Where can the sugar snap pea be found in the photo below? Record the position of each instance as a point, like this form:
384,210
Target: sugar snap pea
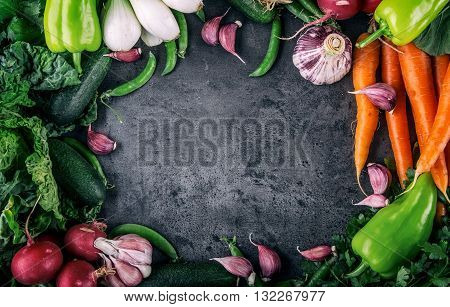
272,50
132,85
156,239
88,155
183,40
171,57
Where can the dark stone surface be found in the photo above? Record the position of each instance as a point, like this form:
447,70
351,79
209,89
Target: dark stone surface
300,203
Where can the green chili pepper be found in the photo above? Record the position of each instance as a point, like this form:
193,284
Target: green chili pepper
171,57
299,11
72,25
272,51
183,39
156,239
88,155
403,21
136,83
321,273
395,234
201,15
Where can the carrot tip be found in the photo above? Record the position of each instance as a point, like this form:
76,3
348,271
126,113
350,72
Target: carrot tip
359,184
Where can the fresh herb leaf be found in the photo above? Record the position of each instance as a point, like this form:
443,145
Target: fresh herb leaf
435,40
434,251
38,65
403,276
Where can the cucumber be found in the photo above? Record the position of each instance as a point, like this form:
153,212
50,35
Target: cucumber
67,105
202,274
75,175
254,10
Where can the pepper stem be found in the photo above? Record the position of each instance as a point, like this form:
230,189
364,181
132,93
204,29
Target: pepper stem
359,270
383,30
77,62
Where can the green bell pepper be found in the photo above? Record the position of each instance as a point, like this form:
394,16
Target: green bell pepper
403,21
395,234
72,25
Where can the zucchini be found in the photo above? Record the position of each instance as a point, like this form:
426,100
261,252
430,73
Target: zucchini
254,10
202,274
67,105
75,175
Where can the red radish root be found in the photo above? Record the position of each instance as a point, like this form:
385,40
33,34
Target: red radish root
79,240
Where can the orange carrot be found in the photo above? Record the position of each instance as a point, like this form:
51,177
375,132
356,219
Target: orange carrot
397,120
440,65
365,64
418,77
440,132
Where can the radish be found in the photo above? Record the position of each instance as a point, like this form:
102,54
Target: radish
80,273
50,237
336,9
37,262
79,240
369,6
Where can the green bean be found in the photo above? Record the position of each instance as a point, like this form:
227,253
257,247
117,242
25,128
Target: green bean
132,85
171,57
88,155
299,11
272,50
156,239
201,15
183,39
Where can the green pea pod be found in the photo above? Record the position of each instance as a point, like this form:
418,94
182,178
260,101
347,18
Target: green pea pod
395,234
299,11
183,40
156,239
272,51
136,83
171,57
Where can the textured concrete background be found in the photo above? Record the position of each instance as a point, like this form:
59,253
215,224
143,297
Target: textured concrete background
298,204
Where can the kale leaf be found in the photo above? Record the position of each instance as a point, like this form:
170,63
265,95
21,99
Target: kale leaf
435,40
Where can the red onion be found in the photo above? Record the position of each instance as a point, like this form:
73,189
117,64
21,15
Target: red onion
369,6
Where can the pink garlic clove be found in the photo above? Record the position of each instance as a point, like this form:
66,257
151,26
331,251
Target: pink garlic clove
128,274
99,143
227,37
210,30
374,201
238,266
269,261
382,95
380,177
318,253
129,56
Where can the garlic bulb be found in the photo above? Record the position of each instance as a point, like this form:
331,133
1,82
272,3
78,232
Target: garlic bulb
149,39
323,55
121,28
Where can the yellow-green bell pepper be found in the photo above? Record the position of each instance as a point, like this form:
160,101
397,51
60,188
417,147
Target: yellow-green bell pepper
72,25
403,20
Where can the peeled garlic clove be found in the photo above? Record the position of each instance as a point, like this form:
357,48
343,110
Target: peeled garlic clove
238,266
99,143
210,30
318,253
227,37
323,55
269,261
382,95
380,177
374,201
